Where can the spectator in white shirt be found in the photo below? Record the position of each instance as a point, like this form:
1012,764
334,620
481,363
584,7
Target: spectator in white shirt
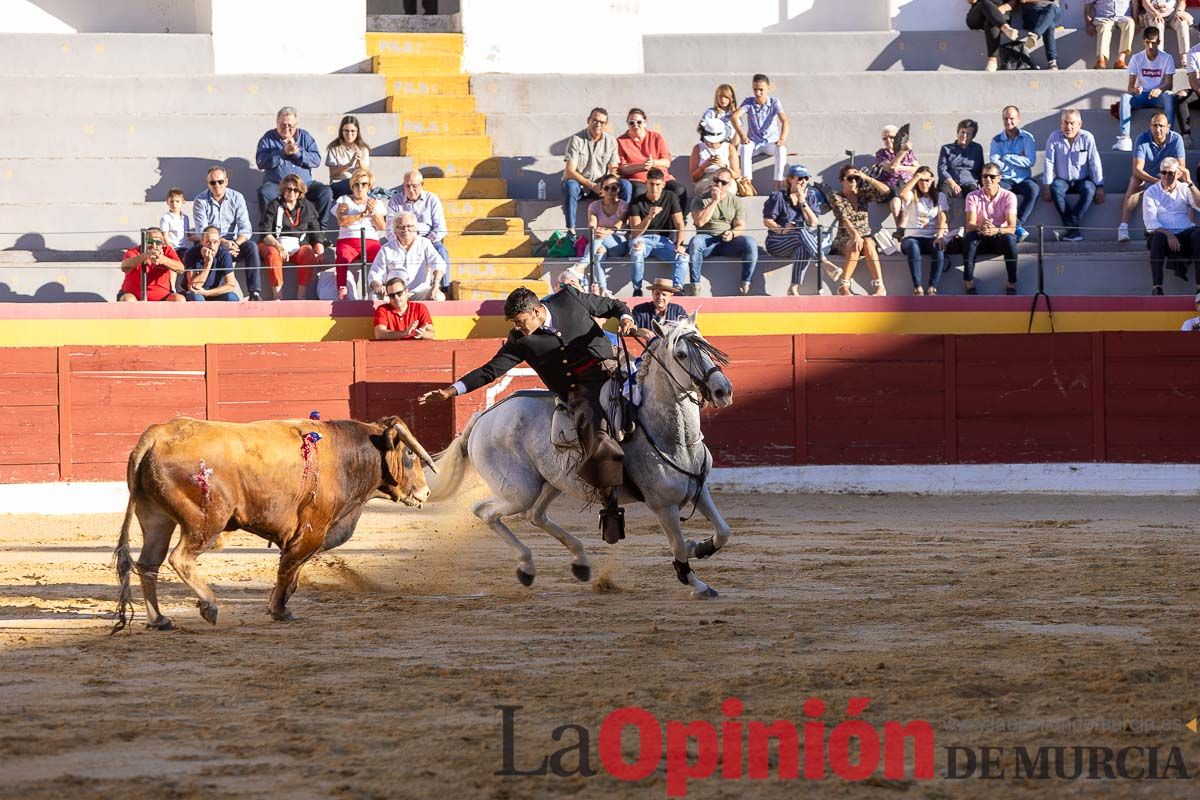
1167,213
1193,324
410,258
431,218
176,225
1151,75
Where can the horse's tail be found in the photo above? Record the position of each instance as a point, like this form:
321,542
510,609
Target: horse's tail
453,466
122,555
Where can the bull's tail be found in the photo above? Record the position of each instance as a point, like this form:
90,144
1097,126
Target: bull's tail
453,466
122,555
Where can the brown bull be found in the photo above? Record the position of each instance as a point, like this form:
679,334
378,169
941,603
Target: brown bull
300,484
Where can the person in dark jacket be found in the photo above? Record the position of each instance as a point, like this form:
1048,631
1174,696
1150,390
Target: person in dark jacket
561,341
959,165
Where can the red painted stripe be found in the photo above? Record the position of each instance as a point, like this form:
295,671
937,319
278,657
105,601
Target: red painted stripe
495,308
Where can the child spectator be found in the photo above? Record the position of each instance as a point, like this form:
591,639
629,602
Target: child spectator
765,130
176,225
724,104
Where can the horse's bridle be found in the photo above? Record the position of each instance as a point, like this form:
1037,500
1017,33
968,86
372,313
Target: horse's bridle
700,384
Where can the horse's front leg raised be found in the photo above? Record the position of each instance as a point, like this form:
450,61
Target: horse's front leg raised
669,519
712,544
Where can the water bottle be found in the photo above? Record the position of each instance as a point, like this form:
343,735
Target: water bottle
541,189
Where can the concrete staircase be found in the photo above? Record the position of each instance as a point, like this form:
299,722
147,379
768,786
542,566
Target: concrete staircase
443,133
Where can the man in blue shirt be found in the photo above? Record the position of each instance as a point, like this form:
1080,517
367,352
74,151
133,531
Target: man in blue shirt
1014,151
659,308
225,209
1073,166
291,150
1149,151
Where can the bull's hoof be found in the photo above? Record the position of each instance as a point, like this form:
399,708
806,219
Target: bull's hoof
283,616
582,572
161,624
709,593
524,578
208,611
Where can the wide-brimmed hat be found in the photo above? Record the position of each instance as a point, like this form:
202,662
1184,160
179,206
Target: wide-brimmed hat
713,131
664,285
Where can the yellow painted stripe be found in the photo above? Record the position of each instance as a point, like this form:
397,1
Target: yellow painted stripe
198,331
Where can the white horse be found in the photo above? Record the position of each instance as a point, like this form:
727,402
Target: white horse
510,446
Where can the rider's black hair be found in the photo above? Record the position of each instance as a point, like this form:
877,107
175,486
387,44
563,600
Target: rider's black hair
520,301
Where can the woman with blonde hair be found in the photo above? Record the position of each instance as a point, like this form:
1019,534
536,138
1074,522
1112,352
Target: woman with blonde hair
724,104
292,235
359,216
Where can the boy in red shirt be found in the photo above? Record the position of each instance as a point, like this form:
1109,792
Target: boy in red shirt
401,318
161,264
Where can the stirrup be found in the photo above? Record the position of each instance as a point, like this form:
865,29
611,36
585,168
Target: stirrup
612,524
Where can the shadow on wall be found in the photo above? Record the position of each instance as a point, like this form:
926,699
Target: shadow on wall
122,16
35,244
189,173
53,292
835,15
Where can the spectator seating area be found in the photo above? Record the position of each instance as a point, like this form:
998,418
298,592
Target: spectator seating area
85,169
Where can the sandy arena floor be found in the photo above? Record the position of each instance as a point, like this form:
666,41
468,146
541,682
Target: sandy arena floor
974,613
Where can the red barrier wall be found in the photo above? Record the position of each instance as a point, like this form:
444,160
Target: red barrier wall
74,413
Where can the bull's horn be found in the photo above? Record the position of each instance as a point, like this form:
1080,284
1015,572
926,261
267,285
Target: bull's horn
410,440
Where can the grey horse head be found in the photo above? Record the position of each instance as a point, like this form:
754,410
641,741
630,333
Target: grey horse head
692,362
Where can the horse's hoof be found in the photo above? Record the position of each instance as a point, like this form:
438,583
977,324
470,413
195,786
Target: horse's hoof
208,611
709,593
161,624
582,572
525,579
284,616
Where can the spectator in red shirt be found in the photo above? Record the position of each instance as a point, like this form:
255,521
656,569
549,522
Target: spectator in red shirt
401,318
640,150
161,264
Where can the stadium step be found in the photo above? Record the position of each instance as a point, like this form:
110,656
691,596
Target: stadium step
429,85
62,55
480,188
409,44
430,104
473,224
434,167
495,268
476,208
427,147
397,66
496,290
414,123
488,245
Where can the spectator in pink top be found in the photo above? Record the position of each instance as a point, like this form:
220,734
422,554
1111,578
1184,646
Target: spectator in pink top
641,149
991,228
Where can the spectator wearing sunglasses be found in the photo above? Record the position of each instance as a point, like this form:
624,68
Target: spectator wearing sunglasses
225,208
408,257
991,228
212,280
159,262
591,155
431,216
1167,208
791,217
608,216
360,219
292,235
288,149
401,317
641,150
720,218
714,152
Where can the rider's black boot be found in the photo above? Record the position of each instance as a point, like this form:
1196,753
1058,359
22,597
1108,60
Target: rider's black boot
612,520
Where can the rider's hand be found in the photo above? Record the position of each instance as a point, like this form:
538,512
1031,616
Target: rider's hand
439,394
626,326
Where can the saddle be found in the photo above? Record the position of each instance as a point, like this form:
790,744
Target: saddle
616,408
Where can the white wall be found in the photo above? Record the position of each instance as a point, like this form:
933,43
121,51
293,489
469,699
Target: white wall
288,36
554,35
100,16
